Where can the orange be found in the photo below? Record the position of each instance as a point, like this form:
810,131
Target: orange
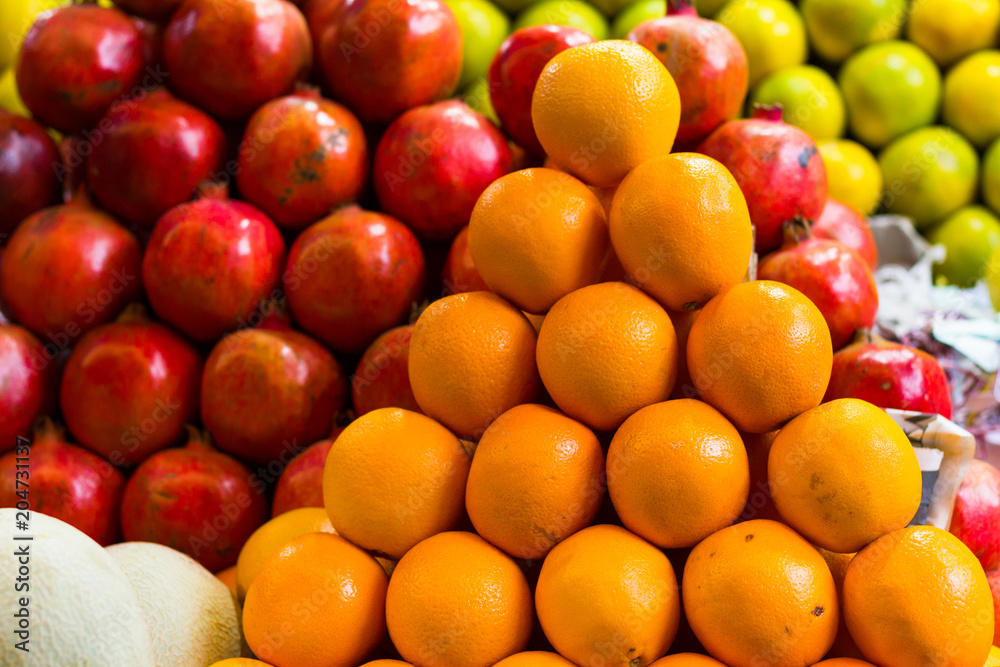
394,478
761,354
535,659
757,593
844,662
240,662
687,660
608,597
228,577
472,358
537,477
538,234
269,538
759,505
918,596
681,228
386,663
605,351
457,601
319,601
683,321
843,645
677,472
602,109
843,474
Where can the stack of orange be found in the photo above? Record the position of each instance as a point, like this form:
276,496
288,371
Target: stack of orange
585,470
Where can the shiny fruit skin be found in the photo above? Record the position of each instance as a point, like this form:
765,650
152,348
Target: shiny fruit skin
301,483
29,379
352,276
977,513
209,264
28,181
128,390
75,62
268,38
840,222
382,379
460,273
414,58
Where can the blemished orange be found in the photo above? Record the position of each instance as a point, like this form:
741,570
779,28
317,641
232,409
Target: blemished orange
605,351
270,537
535,659
843,474
687,660
455,600
472,358
240,662
608,597
681,228
319,601
761,354
537,477
916,593
602,109
757,593
538,234
843,645
228,577
394,478
759,505
677,472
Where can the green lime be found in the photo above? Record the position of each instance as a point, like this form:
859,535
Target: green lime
565,12
991,177
484,27
972,97
992,278
929,174
477,96
771,33
951,29
969,236
838,28
709,8
636,13
809,97
890,89
852,174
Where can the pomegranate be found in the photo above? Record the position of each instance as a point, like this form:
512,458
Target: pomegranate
156,154
833,276
210,263
352,276
976,517
154,10
301,483
382,378
706,61
75,62
432,164
128,389
28,181
777,166
387,56
265,392
322,17
889,375
301,157
460,274
840,222
514,72
152,46
66,482
196,500
29,378
231,57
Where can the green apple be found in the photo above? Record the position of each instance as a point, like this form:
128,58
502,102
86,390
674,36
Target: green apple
484,27
573,13
636,13
809,97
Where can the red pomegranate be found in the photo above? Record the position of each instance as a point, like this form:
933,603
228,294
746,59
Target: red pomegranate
301,483
382,379
833,276
75,62
387,56
157,153
778,168
976,517
840,222
460,274
154,10
210,263
515,70
231,57
66,482
128,389
29,376
432,164
706,61
196,500
28,181
265,392
322,16
301,157
152,50
352,276
889,375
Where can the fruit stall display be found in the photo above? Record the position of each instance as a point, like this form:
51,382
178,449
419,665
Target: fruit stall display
450,333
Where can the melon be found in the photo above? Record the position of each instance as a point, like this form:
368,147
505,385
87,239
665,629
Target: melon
81,608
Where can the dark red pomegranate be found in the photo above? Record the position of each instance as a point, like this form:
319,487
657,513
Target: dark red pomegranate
352,276
196,500
29,376
66,482
210,263
157,153
301,157
976,517
231,57
387,56
266,392
777,167
833,276
28,179
75,62
301,483
321,16
432,164
707,63
515,70
382,379
840,222
152,50
154,10
460,274
889,375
